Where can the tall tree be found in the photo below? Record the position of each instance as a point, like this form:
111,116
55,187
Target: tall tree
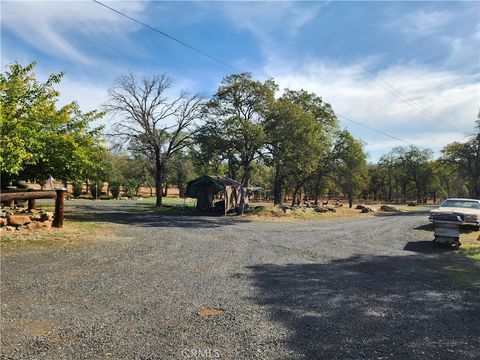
327,121
294,142
466,158
351,166
159,126
38,138
236,112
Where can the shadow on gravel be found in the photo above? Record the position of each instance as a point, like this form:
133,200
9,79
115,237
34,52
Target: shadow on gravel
425,227
125,215
425,247
372,307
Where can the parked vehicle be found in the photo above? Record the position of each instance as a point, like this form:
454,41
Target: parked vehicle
468,210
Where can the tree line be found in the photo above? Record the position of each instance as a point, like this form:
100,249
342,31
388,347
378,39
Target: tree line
289,142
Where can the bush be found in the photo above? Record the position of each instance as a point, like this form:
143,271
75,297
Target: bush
77,188
95,190
105,197
131,188
114,188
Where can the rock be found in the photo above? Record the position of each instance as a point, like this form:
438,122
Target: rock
46,216
332,209
320,209
388,208
18,220
359,207
366,210
412,203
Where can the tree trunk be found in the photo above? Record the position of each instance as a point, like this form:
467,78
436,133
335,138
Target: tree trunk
247,174
350,201
165,191
277,189
316,191
295,193
160,169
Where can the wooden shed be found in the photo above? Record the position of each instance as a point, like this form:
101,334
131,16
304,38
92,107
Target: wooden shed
212,191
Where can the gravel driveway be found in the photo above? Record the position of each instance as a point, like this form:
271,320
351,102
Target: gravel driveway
363,288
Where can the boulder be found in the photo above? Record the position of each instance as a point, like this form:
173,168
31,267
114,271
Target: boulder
412,203
359,207
366,210
18,220
388,208
320,209
331,209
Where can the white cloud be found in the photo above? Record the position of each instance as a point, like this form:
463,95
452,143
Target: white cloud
262,18
355,92
422,23
53,27
464,52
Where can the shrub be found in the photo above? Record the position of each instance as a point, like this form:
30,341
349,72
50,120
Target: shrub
114,188
131,188
77,188
105,197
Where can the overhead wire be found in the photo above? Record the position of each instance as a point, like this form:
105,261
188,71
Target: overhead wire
203,53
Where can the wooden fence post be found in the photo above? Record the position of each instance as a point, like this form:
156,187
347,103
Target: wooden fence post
59,206
31,204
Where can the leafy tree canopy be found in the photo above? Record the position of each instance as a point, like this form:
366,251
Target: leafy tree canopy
38,138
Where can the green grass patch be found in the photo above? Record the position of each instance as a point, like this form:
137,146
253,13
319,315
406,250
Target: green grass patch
466,275
471,251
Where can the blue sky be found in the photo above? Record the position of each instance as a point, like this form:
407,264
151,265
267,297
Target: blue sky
350,53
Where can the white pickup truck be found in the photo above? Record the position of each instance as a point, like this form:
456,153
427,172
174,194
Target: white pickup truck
467,209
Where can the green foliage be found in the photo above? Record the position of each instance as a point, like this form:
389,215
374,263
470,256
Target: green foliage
131,188
105,197
351,165
234,131
77,188
114,188
39,139
465,158
180,170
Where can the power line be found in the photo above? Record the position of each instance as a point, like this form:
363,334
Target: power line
394,91
166,35
373,129
397,93
232,67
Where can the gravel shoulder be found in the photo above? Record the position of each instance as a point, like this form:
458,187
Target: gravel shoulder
176,287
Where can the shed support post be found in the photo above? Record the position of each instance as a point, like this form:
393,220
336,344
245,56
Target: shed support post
59,207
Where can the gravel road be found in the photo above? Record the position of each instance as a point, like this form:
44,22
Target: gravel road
370,288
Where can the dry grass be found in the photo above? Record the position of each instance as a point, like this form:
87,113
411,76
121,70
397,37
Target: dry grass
470,244
208,312
271,213
73,232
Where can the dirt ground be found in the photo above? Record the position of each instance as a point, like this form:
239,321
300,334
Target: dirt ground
136,283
